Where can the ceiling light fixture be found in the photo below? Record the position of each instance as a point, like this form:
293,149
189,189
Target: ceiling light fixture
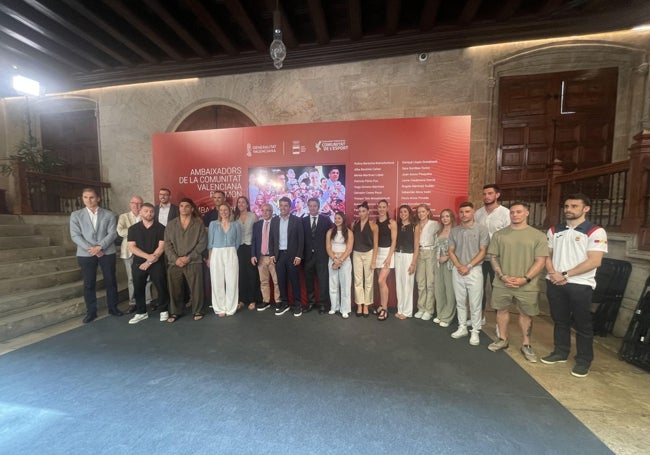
277,49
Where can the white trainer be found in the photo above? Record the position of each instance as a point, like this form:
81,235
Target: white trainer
427,316
138,318
460,333
474,339
419,314
164,315
345,315
331,312
436,321
444,324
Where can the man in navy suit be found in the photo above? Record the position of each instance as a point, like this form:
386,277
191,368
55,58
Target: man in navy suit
94,229
315,227
286,245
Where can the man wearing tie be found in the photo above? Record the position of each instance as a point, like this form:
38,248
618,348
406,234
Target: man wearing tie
286,247
261,257
315,228
94,229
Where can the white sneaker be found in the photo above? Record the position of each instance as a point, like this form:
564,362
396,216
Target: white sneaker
164,315
444,324
426,316
331,312
345,315
436,321
138,318
474,339
460,333
419,314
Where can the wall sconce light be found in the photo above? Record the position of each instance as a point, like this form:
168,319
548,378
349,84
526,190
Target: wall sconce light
277,49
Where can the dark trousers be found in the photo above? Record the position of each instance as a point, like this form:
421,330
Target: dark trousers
488,277
287,274
249,278
316,268
571,304
157,273
179,279
88,267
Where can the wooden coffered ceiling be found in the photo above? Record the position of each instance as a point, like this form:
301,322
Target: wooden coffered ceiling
76,44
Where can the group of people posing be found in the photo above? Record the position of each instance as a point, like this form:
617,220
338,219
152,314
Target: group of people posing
242,261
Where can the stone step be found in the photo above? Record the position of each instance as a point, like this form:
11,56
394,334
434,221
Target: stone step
41,252
44,315
23,300
8,230
29,241
37,267
11,219
14,285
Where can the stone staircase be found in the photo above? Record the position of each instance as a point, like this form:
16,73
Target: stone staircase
40,281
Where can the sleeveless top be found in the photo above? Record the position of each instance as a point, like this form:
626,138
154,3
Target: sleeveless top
428,234
384,233
405,239
338,243
362,238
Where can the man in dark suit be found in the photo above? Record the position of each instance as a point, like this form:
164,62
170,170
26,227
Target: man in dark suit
261,258
94,229
286,246
315,227
165,211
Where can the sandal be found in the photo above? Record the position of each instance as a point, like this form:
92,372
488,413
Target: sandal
240,305
383,315
171,319
365,311
198,317
252,306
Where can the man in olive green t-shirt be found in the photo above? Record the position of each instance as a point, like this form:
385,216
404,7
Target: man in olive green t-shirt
517,254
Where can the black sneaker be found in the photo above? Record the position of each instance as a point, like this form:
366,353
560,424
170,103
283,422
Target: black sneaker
281,309
553,358
263,306
297,311
580,371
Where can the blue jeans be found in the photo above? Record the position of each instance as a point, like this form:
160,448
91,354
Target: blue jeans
88,267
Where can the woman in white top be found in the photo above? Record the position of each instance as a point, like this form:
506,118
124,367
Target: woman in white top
338,242
424,273
249,280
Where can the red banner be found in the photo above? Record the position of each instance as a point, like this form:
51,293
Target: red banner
405,161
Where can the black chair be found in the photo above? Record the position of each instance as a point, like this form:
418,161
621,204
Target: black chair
611,281
635,348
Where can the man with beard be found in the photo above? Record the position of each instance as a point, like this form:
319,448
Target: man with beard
147,244
165,211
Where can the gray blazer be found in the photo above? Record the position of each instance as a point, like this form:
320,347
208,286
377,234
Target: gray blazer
85,236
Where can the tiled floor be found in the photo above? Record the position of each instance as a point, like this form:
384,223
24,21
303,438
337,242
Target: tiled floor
613,401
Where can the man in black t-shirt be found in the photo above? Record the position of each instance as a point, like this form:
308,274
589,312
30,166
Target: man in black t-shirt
147,244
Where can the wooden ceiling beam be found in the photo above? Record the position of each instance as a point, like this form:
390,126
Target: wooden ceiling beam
143,28
319,22
163,13
35,27
73,29
429,14
354,15
507,10
469,12
111,31
204,16
241,17
393,8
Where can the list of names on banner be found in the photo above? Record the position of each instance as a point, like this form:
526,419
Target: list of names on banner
417,182
371,181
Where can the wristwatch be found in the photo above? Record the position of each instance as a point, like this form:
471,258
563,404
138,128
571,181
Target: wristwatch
565,275
528,280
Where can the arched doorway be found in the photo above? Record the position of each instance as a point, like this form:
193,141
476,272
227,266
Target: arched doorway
214,117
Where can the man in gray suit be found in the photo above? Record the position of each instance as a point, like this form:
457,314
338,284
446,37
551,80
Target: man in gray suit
93,229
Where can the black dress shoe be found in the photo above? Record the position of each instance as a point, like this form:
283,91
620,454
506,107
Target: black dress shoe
322,309
308,308
115,312
89,318
131,309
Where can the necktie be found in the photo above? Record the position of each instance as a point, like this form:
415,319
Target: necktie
313,225
265,239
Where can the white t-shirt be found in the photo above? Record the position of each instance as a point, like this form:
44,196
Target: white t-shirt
498,219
